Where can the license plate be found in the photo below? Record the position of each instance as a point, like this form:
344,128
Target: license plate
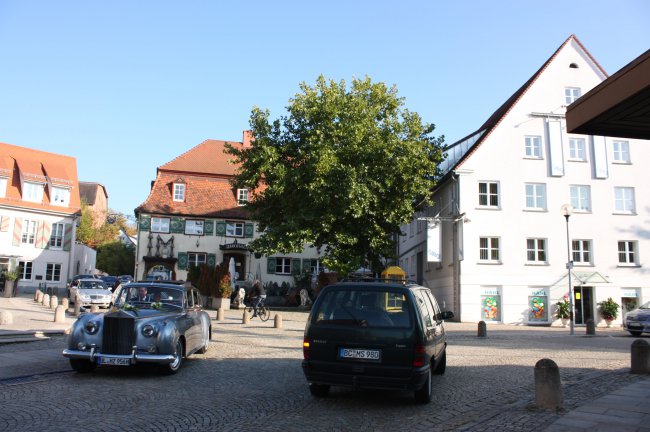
115,361
360,354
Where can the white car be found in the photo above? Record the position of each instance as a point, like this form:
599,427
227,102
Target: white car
88,292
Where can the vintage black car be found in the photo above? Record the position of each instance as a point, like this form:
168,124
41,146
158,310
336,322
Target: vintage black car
150,322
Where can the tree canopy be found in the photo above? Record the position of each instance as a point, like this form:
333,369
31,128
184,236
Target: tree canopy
341,171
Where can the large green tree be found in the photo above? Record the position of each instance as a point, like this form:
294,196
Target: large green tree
341,171
115,258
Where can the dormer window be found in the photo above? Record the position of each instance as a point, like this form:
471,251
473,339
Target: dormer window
242,197
60,196
32,192
179,192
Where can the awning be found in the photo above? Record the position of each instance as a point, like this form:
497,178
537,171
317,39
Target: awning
589,278
234,246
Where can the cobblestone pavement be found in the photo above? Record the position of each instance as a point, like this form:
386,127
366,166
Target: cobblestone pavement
251,379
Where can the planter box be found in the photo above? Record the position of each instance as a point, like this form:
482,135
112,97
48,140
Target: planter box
218,303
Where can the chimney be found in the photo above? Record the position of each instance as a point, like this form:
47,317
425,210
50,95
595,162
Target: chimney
248,138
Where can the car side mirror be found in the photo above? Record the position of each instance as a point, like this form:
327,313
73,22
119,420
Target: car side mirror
447,315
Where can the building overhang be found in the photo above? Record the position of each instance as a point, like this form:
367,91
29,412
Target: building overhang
617,107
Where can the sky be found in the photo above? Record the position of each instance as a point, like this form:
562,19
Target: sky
126,86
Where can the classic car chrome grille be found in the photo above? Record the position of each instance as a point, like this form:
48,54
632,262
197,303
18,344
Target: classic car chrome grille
119,335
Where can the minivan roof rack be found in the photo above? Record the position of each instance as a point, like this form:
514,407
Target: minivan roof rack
374,279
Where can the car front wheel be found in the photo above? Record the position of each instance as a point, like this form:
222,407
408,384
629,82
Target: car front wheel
82,366
175,365
319,390
442,364
635,333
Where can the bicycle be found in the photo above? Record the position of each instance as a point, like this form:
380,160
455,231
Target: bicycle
263,311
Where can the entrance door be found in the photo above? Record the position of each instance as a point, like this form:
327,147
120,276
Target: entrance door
240,264
582,301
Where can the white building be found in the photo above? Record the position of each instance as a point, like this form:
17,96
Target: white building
39,206
497,246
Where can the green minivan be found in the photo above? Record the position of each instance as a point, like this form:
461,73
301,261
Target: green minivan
377,334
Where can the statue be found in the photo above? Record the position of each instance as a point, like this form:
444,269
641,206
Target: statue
304,297
239,298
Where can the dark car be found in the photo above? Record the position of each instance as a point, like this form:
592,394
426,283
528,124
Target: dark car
124,279
637,321
154,323
111,281
375,335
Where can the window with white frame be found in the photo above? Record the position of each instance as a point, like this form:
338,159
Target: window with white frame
29,231
195,259
315,264
488,194
242,197
179,192
627,252
489,249
159,225
25,270
580,198
624,200
577,149
621,151
283,265
53,272
32,192
536,250
194,227
581,251
234,229
56,237
535,196
533,147
571,94
3,187
60,196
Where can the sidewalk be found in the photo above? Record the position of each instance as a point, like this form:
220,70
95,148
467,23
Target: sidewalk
31,318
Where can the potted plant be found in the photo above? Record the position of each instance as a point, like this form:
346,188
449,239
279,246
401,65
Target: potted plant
10,279
563,311
222,293
609,310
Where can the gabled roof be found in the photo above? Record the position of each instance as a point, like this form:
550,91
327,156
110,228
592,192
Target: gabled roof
88,191
471,142
206,158
42,167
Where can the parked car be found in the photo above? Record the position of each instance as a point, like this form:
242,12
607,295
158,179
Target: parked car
161,327
75,279
124,279
637,321
88,292
111,281
375,335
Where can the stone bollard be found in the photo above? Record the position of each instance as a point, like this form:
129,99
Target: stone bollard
548,389
220,314
46,300
245,318
77,309
36,295
640,357
59,314
94,309
54,302
591,327
39,296
277,321
6,318
482,329
65,303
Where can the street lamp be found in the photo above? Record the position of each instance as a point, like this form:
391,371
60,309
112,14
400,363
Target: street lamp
567,211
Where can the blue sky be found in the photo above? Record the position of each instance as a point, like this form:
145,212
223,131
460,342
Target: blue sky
126,86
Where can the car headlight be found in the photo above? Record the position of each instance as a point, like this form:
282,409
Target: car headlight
91,327
148,330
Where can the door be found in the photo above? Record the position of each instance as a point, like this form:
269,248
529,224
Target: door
240,264
583,303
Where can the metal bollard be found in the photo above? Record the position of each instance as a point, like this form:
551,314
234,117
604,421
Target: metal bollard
591,327
548,389
54,302
482,329
277,321
220,314
245,318
59,314
640,361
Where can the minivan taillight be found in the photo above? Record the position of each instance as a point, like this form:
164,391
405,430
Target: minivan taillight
305,349
419,356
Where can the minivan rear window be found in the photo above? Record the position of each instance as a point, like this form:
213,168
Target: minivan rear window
363,308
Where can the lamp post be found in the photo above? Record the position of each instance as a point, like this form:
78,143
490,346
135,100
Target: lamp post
567,211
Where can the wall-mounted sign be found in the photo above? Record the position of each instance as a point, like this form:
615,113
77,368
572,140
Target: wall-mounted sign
434,254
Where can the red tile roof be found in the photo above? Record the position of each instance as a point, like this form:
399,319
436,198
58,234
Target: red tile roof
40,166
206,171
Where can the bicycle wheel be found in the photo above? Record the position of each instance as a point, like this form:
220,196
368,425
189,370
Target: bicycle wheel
249,312
264,312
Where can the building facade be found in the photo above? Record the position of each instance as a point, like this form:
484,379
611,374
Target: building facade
96,197
39,207
496,244
194,216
